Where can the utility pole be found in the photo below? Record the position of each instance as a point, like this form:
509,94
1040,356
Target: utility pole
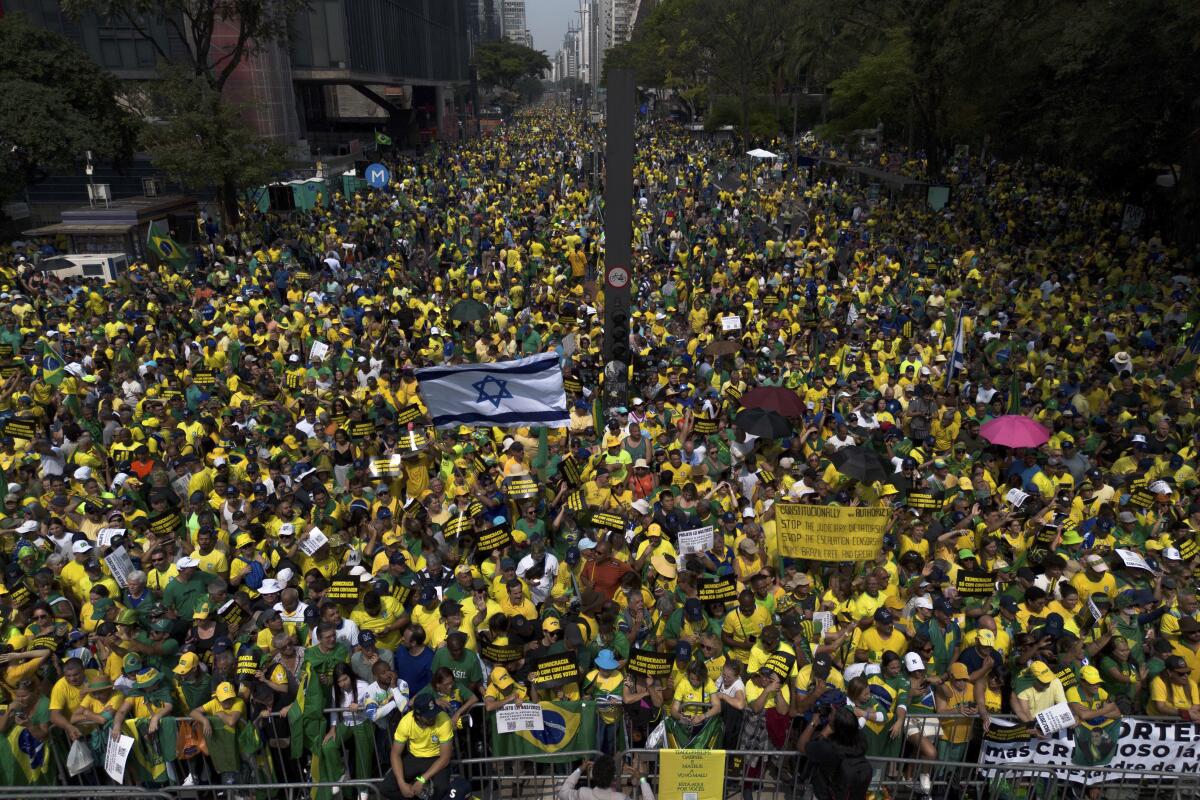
618,236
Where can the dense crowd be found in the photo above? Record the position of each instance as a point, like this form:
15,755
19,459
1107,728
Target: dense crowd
253,557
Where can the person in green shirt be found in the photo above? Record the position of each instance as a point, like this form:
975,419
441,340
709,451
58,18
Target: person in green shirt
328,653
468,673
188,591
192,684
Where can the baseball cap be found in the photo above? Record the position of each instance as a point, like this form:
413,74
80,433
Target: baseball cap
424,706
187,662
958,671
693,610
225,691
683,651
925,601
1097,563
985,637
1041,672
81,547
1091,675
913,662
366,639
551,624
821,665
186,562
884,616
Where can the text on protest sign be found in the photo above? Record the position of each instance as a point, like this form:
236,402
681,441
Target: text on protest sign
830,533
696,540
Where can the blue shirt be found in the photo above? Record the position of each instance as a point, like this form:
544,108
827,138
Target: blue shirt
416,671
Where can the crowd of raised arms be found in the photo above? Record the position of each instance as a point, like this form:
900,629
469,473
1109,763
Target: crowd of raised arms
261,563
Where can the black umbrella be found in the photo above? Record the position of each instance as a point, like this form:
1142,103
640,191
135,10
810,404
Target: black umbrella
762,423
862,464
468,311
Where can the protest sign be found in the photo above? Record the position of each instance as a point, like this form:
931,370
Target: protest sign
1165,748
830,533
104,536
696,540
975,583
921,500
704,426
120,565
116,755
717,589
555,669
649,663
494,539
167,522
502,653
519,717
313,542
343,588
318,351
692,774
1133,560
731,323
1054,719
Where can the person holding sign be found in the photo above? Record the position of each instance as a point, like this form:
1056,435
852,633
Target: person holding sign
693,710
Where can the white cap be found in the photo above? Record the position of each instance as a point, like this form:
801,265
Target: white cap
925,601
14,488
366,577
284,575
747,512
270,586
1137,437
1170,554
586,544
508,442
637,401
83,473
187,561
1160,487
786,462
1097,563
433,330
293,358
119,479
28,526
287,529
81,547
641,506
358,570
913,662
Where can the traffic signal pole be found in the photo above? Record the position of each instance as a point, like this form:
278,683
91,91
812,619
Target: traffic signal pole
618,237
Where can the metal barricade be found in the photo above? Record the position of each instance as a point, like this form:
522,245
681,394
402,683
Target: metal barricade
517,777
80,793
347,790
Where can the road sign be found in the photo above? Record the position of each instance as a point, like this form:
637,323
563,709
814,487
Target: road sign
618,277
378,176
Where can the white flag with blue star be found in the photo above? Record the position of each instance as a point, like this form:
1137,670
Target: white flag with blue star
506,394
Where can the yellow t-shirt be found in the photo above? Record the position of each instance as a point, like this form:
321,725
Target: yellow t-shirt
753,692
66,698
1173,695
745,626
424,742
694,700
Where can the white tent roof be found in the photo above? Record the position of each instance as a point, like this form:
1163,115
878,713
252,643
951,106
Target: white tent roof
758,152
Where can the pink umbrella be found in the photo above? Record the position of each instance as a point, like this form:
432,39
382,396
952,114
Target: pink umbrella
1014,430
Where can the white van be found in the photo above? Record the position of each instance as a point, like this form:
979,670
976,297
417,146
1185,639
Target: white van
106,266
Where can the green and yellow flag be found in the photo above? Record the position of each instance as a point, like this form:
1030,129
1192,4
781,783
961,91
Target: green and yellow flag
165,249
567,726
24,759
382,139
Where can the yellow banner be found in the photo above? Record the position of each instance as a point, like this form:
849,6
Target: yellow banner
830,533
694,774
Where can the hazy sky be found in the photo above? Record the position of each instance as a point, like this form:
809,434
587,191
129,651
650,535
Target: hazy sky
547,21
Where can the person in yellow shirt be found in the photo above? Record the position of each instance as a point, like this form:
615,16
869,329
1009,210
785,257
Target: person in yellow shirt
67,695
421,751
879,636
1173,693
98,705
695,702
743,625
212,560
1094,578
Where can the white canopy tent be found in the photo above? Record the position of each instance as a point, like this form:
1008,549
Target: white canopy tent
758,152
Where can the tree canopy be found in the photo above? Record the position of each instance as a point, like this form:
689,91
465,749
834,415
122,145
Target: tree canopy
502,64
55,105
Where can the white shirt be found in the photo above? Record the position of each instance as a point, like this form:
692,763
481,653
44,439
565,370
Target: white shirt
292,616
540,590
569,792
386,700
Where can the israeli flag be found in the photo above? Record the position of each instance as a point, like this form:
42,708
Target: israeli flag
507,394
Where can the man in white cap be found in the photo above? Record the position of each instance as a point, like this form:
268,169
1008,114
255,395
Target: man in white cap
1095,577
188,591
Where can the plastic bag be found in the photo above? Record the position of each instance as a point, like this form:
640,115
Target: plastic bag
79,759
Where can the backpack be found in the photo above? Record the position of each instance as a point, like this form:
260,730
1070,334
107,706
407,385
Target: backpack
254,579
855,778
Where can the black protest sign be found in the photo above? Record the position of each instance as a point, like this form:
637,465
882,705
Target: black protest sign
607,521
975,583
361,430
20,427
555,669
781,664
343,588
247,661
649,663
204,377
502,653
456,526
232,615
166,523
704,426
410,413
569,467
921,500
494,539
717,589
1142,498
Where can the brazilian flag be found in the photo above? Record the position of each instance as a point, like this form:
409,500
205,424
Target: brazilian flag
166,250
24,759
52,362
567,726
382,139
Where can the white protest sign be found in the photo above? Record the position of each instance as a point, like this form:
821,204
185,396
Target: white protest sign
318,351
1016,497
120,565
1134,560
1055,718
104,536
1094,609
731,323
696,540
116,756
312,543
826,620
519,717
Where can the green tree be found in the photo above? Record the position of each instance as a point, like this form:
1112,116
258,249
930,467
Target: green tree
502,64
212,151
55,104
